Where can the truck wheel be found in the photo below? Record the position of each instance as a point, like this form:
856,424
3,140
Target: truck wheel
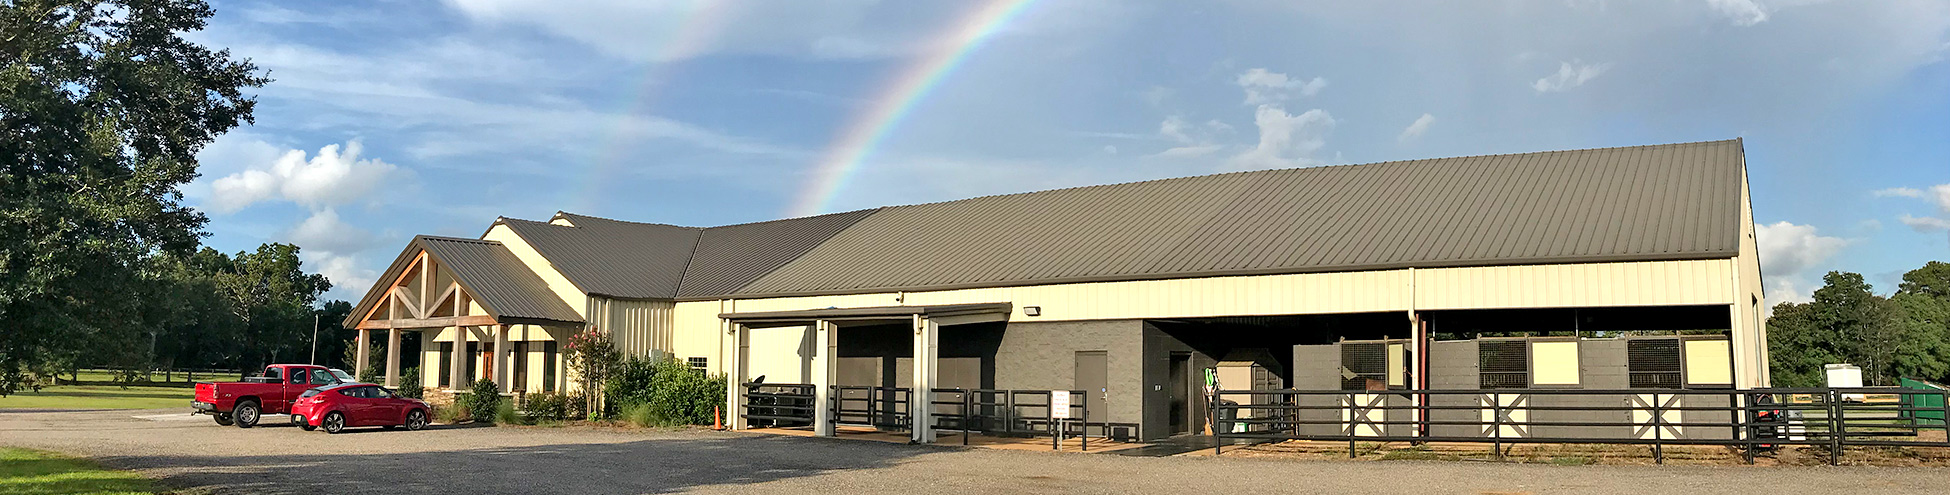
334,422
222,419
416,420
246,414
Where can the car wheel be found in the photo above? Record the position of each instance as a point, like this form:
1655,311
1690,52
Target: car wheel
246,414
334,422
222,419
416,420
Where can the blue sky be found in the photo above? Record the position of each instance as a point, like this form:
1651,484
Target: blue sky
390,118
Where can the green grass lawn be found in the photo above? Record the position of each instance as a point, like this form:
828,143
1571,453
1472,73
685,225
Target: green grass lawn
29,472
101,397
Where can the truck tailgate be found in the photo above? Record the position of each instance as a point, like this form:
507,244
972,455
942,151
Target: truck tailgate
206,392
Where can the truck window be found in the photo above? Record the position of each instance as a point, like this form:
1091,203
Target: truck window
275,374
322,377
297,377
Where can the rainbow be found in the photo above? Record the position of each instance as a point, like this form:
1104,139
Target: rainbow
857,140
694,23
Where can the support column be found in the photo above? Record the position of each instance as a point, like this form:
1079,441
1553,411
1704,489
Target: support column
459,362
824,368
392,357
364,354
500,360
927,347
735,347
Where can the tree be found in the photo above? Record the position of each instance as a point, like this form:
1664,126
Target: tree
103,107
591,357
1932,280
272,298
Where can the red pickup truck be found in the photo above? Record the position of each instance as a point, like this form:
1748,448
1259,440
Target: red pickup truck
271,392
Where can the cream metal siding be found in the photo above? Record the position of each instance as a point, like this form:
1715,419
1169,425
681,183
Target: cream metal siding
697,332
536,263
779,353
1649,283
639,328
1750,330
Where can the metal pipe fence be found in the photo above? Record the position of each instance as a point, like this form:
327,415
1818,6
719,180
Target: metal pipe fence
964,411
1835,418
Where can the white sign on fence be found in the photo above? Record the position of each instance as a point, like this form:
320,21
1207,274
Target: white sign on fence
1059,404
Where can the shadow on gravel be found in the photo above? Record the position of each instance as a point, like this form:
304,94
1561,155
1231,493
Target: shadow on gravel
645,466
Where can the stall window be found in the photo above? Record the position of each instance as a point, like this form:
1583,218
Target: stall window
1503,363
548,366
1364,366
1653,363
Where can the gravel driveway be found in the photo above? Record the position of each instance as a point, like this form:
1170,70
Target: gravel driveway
194,452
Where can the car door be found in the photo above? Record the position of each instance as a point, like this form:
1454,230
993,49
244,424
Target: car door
386,407
357,406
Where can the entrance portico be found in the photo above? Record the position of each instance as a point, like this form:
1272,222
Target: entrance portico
808,340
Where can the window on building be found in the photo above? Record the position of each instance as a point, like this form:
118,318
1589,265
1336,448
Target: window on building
1364,366
548,366
700,363
1653,363
446,371
1503,363
520,363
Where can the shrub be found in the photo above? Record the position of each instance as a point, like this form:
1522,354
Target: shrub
370,375
450,414
409,384
677,395
629,382
639,414
504,413
546,406
485,399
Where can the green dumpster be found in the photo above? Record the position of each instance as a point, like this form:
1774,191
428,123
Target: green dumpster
1931,404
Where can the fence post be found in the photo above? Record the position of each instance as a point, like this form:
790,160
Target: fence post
1496,424
1747,426
1055,434
1943,397
966,399
1352,425
1084,434
1658,429
1218,423
1837,428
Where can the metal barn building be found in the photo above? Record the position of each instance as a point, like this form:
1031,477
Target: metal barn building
1604,268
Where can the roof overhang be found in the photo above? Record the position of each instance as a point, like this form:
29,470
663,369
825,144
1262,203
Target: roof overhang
960,313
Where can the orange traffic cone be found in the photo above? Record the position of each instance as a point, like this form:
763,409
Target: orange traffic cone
717,419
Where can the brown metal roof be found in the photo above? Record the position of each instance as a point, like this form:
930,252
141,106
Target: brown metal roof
732,256
1663,202
655,261
613,257
496,279
942,310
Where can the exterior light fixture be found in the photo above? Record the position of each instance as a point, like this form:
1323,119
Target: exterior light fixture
1032,310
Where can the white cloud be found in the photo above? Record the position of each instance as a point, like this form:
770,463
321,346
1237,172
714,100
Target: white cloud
1787,252
1741,12
1286,140
1942,196
1193,151
1415,129
1898,192
329,178
323,231
1925,224
350,277
1570,75
1263,86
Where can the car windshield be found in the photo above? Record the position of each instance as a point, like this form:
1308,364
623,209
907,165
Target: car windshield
343,376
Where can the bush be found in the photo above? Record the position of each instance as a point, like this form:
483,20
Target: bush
409,384
450,414
675,395
505,414
370,375
485,399
629,382
639,414
546,406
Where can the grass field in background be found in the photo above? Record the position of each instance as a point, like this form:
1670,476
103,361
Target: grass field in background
101,397
30,472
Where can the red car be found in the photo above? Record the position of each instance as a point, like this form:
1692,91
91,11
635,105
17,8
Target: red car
337,407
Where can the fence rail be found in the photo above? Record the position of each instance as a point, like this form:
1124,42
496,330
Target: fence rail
1757,419
965,411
